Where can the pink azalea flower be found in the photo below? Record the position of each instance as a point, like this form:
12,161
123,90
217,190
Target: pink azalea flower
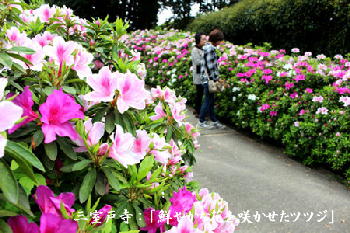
61,51
45,12
132,92
104,85
268,71
56,112
288,85
153,223
50,223
267,78
94,133
181,202
264,107
44,39
185,226
302,112
159,112
273,113
141,143
177,111
122,148
309,90
103,212
50,204
15,36
323,111
299,77
9,114
294,95
20,224
81,61
317,99
25,101
158,151
37,58
167,94
345,100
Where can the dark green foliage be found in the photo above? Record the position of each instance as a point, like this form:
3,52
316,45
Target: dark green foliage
142,14
319,26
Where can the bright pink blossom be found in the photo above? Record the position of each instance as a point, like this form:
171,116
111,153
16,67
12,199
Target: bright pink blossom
50,204
153,223
181,202
25,101
264,107
20,224
56,112
50,223
102,215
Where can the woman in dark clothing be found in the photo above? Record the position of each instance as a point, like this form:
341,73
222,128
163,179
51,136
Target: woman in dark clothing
197,54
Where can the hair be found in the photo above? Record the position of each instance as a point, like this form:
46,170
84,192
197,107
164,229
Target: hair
197,37
216,35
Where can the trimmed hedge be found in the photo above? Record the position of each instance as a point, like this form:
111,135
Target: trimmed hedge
319,26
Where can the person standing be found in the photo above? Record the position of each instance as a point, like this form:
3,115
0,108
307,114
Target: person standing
197,55
210,70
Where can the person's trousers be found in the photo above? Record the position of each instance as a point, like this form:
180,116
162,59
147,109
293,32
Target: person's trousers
198,98
208,105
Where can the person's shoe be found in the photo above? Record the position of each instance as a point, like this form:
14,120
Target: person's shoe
205,125
218,125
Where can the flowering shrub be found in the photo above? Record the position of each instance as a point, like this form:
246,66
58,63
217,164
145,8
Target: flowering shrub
299,100
80,131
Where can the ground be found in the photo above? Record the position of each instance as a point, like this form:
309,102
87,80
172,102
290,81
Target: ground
253,176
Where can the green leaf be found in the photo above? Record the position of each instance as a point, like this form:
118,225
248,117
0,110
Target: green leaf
70,90
14,165
51,150
67,148
139,215
63,210
145,166
81,165
87,185
4,227
112,179
100,185
23,202
6,60
169,133
22,49
38,137
7,213
27,184
20,151
8,184
19,57
110,122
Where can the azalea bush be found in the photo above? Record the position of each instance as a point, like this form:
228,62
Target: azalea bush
300,100
85,146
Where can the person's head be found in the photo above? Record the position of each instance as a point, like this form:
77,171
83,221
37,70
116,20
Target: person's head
201,39
216,36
